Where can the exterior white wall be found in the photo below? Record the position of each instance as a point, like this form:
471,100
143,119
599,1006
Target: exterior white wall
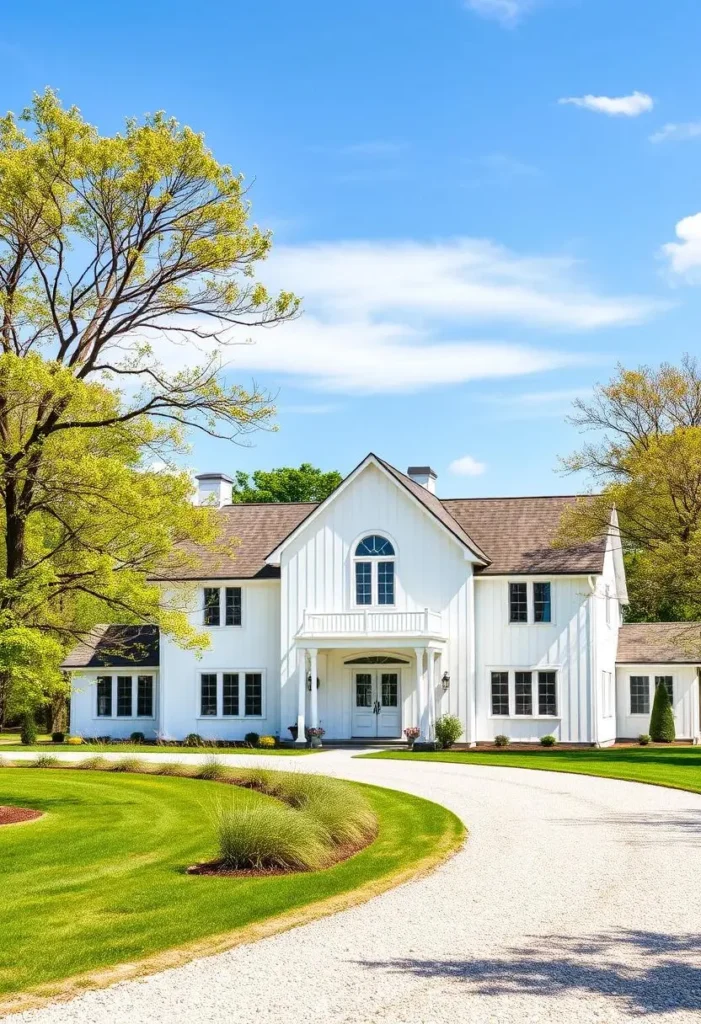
431,572
564,645
685,705
606,624
254,646
84,720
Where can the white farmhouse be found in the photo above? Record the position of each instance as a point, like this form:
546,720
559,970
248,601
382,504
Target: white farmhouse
382,608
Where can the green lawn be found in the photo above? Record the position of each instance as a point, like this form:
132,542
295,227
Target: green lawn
100,880
677,767
48,747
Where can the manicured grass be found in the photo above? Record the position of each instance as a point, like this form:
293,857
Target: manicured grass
100,880
677,767
153,748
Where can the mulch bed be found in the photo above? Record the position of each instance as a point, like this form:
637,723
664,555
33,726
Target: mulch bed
336,855
13,815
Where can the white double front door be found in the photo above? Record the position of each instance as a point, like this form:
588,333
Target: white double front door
376,697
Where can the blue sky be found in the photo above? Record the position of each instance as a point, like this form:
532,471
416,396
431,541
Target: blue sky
472,252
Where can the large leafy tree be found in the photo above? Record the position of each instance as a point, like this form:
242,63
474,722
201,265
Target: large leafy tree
645,455
307,483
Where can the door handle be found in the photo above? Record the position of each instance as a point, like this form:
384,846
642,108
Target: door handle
376,708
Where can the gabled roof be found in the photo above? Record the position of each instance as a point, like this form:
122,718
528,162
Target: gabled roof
116,647
659,643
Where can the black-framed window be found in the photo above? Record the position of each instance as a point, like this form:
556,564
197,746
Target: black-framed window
547,693
144,696
667,681
640,695
104,696
542,607
208,693
518,602
500,693
385,582
230,693
124,706
363,582
232,613
211,606
523,693
254,694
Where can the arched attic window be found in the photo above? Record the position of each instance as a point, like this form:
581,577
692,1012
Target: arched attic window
374,571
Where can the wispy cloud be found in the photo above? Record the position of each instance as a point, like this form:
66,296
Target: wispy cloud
532,405
506,12
684,256
467,465
614,106
498,169
682,132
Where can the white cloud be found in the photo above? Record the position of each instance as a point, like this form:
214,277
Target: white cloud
467,466
507,12
615,106
677,132
685,255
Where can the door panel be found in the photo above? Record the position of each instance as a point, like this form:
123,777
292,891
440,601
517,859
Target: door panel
389,717
376,704
364,717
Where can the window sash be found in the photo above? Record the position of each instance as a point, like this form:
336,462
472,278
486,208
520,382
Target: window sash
208,694
144,697
104,696
518,602
523,693
385,583
232,614
500,693
542,606
212,614
230,694
547,693
640,695
124,697
363,583
254,694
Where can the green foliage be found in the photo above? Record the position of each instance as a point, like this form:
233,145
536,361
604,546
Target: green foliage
44,761
213,770
129,764
501,741
448,730
267,742
643,739
171,768
286,484
137,737
268,836
95,764
252,738
662,717
193,739
548,741
57,737
28,733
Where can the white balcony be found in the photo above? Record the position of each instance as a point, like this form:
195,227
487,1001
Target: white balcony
366,622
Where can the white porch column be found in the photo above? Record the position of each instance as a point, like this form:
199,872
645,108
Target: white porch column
422,703
301,695
431,682
314,702
419,652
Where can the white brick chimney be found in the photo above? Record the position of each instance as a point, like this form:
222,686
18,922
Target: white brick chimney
214,489
423,475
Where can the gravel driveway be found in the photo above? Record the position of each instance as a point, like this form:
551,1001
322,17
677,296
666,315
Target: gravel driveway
575,899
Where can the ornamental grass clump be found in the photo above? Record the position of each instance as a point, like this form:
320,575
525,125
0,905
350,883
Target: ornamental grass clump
98,763
171,768
212,770
340,809
44,761
130,764
267,836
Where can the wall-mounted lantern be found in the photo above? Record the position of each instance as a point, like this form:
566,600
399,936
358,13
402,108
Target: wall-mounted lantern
445,680
309,681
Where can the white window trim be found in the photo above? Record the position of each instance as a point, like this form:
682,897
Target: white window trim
222,587
241,717
114,717
530,603
650,695
534,670
374,561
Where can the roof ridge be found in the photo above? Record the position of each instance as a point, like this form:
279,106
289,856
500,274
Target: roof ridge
516,497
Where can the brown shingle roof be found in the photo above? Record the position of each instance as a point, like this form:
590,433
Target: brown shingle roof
661,643
517,534
116,647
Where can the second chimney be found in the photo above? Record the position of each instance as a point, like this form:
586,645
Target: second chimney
214,489
423,475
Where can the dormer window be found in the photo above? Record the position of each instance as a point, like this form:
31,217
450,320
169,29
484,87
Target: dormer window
374,571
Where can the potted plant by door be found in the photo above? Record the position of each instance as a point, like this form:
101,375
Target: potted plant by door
412,733
314,735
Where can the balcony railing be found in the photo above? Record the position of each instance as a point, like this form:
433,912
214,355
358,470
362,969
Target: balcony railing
368,622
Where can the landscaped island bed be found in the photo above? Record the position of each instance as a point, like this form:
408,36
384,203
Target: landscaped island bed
675,766
101,879
48,747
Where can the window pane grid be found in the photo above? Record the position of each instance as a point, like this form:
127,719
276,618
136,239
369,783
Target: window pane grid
144,697
389,690
208,693
233,606
385,583
518,602
363,690
500,693
104,696
124,696
542,611
363,583
374,546
230,693
211,606
254,694
639,695
547,693
523,693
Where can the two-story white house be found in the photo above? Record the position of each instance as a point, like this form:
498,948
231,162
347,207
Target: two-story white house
383,607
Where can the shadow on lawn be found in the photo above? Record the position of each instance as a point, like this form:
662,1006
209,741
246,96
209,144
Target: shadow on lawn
647,972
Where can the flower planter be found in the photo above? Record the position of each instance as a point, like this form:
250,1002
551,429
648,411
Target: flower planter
315,741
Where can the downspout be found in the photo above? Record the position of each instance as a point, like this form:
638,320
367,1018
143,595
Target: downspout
594,683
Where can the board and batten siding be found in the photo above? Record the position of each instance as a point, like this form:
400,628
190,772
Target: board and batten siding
431,571
564,645
685,704
84,720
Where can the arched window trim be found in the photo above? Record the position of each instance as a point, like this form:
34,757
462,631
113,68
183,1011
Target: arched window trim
378,579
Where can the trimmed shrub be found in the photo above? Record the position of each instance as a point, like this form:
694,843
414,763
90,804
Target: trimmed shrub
75,741
501,741
44,761
252,738
643,739
212,770
267,742
57,737
28,732
448,730
267,836
548,741
662,717
137,737
193,739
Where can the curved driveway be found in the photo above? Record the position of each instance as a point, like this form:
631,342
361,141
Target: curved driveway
575,899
